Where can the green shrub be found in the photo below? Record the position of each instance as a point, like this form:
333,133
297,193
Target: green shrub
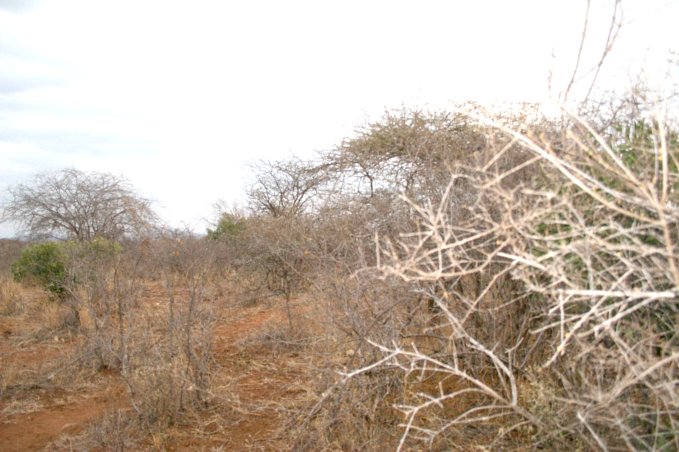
97,250
229,227
43,264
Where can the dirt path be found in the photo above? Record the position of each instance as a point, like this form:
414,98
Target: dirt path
34,411
36,431
263,383
39,413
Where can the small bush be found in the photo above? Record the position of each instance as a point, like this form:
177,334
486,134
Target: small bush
229,227
45,265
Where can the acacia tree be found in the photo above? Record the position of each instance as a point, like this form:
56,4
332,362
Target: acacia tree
276,235
283,188
81,206
407,151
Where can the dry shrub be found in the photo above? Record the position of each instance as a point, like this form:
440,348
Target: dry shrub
32,315
34,360
170,358
161,346
272,257
602,251
104,295
351,414
162,392
583,267
115,431
533,303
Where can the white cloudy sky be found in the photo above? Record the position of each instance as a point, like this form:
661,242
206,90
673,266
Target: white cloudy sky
178,95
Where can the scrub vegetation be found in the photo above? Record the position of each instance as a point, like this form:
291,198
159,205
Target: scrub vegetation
443,280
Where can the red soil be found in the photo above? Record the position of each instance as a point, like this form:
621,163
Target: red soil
36,431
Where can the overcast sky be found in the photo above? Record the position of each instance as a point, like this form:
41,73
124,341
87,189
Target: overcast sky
178,96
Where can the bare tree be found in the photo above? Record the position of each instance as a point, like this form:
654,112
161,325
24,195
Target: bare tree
82,206
284,187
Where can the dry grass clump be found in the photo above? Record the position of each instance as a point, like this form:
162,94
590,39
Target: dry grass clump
116,430
34,361
162,393
10,249
11,296
29,317
355,415
20,302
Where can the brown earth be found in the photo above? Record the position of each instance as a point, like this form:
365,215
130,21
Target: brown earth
37,430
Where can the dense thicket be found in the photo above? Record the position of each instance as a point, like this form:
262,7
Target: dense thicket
505,280
457,279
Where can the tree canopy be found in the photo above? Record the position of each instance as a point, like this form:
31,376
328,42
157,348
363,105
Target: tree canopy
80,206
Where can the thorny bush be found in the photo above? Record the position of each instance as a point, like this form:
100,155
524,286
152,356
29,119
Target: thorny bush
535,299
